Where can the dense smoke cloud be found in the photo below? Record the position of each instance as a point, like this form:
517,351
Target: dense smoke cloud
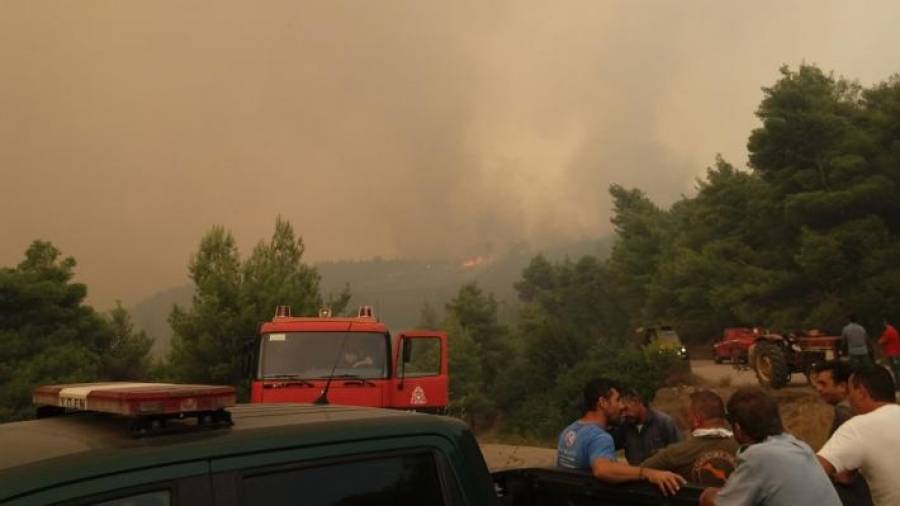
413,129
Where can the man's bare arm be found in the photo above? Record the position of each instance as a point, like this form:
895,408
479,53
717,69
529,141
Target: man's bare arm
619,472
826,466
844,477
615,472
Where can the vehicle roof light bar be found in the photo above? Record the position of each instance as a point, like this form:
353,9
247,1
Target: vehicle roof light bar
150,404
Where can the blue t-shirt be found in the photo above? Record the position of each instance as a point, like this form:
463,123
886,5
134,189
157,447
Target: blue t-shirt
580,444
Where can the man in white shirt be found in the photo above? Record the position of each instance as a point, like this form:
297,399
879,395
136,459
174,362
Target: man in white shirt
869,442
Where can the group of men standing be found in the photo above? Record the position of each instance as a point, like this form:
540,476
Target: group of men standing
740,451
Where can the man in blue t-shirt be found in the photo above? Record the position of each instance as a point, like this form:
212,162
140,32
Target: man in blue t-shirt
581,443
586,445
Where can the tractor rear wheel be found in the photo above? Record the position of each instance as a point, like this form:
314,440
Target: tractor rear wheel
770,365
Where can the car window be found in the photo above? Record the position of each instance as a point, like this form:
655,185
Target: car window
425,357
157,498
396,479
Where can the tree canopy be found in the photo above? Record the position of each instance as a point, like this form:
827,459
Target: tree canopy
232,297
49,335
804,238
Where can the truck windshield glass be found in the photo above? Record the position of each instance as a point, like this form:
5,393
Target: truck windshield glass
668,337
311,355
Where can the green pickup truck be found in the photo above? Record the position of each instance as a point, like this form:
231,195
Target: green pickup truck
282,454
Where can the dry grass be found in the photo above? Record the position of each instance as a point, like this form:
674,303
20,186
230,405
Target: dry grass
803,413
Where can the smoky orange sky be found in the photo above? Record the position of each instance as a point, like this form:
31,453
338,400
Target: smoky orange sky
399,129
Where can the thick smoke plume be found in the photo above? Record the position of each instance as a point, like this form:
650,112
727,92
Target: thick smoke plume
411,129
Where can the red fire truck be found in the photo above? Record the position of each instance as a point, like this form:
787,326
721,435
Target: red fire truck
353,361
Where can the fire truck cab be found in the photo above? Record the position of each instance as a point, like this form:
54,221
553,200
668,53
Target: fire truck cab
349,361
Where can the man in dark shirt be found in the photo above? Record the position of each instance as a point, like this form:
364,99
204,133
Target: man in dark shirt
644,430
708,457
830,380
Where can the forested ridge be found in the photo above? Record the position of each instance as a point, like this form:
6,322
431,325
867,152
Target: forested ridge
807,234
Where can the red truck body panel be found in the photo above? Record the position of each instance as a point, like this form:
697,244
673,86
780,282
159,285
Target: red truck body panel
293,324
735,344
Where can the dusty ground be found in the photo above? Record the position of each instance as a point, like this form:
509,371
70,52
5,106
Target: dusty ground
802,412
723,374
729,375
501,456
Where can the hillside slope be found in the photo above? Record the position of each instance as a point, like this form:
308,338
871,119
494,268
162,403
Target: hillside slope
397,289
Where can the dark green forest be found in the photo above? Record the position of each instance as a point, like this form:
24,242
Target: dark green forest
804,236
49,335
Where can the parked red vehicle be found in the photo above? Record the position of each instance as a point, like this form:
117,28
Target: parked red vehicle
735,345
352,361
775,357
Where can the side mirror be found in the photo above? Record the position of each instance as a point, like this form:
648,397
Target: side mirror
405,356
407,351
248,357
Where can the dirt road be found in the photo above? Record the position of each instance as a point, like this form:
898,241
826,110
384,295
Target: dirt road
728,375
500,456
722,374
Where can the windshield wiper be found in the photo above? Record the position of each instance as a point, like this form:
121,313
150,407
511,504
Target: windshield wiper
354,379
323,397
292,378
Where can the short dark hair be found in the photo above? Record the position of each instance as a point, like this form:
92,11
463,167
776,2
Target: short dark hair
594,390
877,381
633,395
840,371
708,404
852,318
756,412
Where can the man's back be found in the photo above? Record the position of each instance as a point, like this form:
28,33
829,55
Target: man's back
870,443
890,341
707,458
857,339
780,471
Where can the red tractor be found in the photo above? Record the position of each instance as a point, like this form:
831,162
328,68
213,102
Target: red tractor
353,361
735,344
774,357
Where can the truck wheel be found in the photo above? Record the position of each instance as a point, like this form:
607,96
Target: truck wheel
770,365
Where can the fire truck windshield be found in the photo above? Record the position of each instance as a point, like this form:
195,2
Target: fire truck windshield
311,355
